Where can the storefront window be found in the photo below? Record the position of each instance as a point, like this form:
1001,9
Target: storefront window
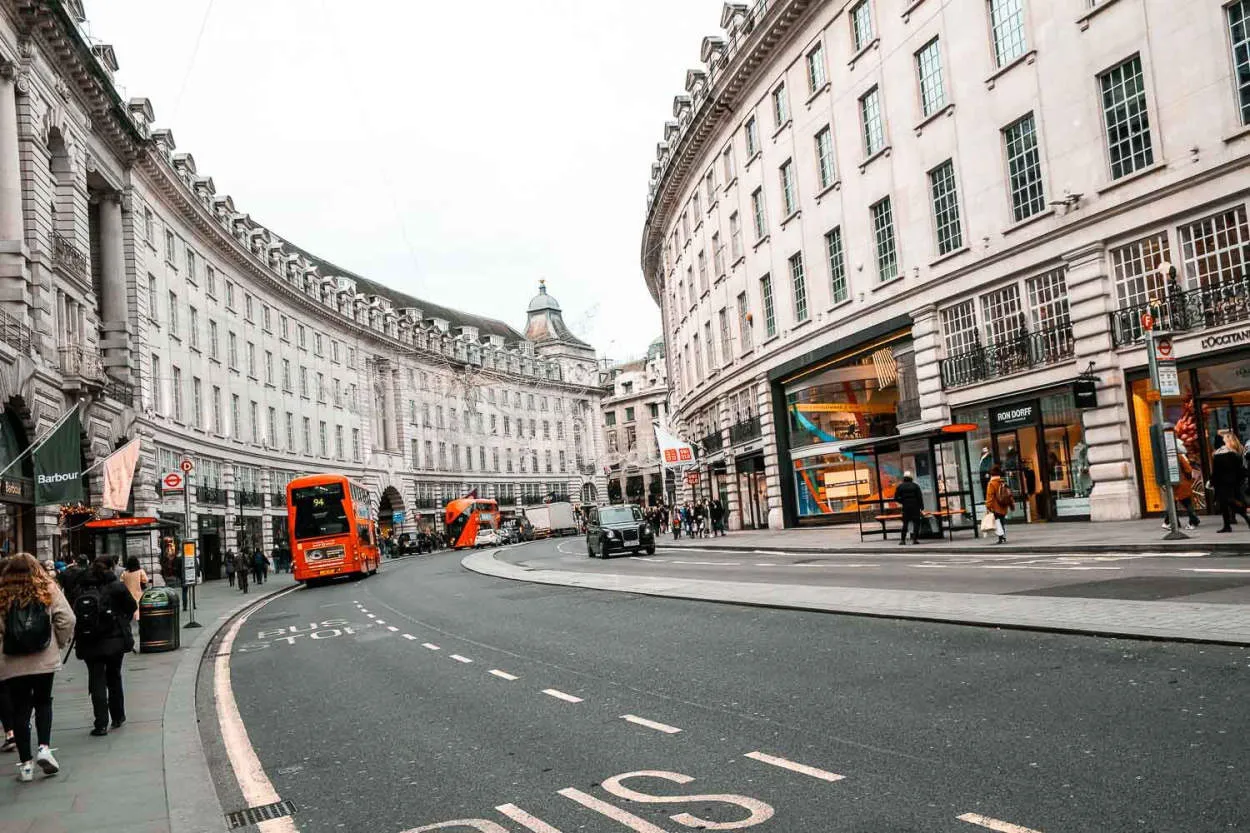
1040,446
853,400
832,484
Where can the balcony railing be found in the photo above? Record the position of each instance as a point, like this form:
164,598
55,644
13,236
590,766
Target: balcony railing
908,410
118,391
425,503
1011,355
211,495
748,429
14,333
82,362
277,499
66,254
246,498
1179,310
712,443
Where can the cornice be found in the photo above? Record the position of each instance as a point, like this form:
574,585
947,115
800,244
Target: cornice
720,100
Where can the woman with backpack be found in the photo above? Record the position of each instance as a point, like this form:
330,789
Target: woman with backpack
36,624
102,611
999,501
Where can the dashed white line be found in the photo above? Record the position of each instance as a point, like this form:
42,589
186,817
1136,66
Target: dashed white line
378,622
651,724
995,824
459,658
410,636
503,675
710,563
521,817
802,769
560,695
392,629
431,646
1213,570
371,616
363,610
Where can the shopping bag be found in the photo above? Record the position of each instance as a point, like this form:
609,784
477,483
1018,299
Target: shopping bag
987,521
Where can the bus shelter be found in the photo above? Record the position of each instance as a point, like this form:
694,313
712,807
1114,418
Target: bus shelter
941,464
140,536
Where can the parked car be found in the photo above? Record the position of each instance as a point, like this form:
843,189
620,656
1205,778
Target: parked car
617,529
487,537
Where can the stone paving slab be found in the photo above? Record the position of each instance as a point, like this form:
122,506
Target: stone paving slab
126,781
1189,621
1067,537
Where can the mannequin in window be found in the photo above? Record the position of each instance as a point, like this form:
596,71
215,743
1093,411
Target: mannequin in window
984,465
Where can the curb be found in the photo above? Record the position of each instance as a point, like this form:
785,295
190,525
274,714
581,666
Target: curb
1204,550
190,796
1199,622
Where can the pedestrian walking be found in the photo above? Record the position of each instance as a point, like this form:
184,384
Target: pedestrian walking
676,523
1228,475
717,510
69,578
136,580
258,562
1183,492
265,564
242,566
103,612
910,499
999,501
36,624
229,565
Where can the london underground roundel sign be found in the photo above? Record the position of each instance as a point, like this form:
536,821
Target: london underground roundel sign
172,482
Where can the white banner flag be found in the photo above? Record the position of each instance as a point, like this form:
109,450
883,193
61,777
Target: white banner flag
119,474
674,453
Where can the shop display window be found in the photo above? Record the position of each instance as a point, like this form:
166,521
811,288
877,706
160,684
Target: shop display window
830,485
855,400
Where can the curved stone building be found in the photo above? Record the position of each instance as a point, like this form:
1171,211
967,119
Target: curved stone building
130,286
869,220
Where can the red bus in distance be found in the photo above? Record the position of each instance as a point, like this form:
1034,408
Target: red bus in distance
464,516
330,528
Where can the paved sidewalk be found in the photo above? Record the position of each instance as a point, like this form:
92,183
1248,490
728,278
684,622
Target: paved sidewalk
1066,537
136,777
1192,621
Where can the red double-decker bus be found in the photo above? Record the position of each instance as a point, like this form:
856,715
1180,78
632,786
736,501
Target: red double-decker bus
331,531
463,518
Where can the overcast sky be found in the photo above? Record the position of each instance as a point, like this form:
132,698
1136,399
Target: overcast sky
456,151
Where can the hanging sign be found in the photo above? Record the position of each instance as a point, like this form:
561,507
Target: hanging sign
172,482
1085,393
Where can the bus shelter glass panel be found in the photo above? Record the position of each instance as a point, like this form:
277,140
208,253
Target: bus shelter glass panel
831,486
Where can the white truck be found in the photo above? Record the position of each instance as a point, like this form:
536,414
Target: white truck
552,519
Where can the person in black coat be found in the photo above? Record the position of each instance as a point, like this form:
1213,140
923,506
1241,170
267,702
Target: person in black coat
910,498
1228,473
104,642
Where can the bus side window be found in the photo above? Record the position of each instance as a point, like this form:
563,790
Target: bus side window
362,529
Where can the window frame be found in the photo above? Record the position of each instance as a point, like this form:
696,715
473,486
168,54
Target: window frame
1149,156
868,121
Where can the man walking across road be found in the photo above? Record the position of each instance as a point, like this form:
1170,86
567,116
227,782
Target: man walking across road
910,498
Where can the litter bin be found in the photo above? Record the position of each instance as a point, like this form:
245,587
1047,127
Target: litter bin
159,629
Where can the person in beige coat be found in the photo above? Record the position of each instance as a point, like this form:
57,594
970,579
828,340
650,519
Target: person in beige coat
28,675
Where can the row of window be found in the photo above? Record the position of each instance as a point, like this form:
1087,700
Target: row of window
477,422
1214,252
525,462
609,417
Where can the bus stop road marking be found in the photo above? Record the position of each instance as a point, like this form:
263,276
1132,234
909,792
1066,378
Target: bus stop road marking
560,695
431,646
409,637
503,675
803,769
459,658
995,824
651,724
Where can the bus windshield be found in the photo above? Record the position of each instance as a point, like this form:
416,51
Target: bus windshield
319,511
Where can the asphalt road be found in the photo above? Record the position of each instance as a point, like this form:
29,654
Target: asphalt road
1132,574
366,727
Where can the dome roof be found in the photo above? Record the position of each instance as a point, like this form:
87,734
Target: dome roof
543,301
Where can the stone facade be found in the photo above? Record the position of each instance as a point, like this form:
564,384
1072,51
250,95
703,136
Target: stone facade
130,286
637,398
914,157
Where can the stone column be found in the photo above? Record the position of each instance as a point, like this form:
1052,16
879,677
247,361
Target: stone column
114,304
926,334
773,466
734,507
1090,294
229,533
13,282
266,525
